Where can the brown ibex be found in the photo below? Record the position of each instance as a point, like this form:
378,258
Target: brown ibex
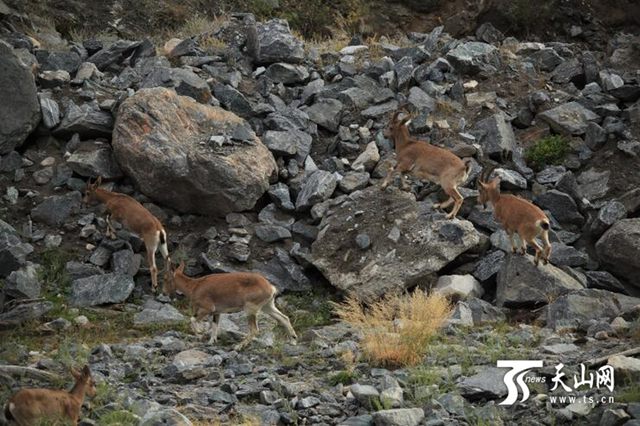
30,405
516,215
426,161
217,294
134,216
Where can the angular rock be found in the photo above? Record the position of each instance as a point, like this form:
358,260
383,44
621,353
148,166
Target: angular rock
24,313
569,119
271,233
459,287
383,269
94,159
318,187
56,209
609,214
88,120
273,42
101,289
114,53
488,384
561,206
619,250
495,134
170,135
326,113
398,417
23,283
287,73
589,304
368,160
522,284
185,82
473,57
605,281
154,312
20,109
50,112
13,252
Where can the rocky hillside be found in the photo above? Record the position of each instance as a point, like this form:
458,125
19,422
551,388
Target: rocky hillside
260,151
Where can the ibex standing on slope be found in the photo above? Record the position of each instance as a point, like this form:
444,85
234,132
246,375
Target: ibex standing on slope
30,405
426,161
217,294
516,215
134,216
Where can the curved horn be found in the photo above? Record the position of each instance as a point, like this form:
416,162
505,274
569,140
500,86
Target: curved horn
486,172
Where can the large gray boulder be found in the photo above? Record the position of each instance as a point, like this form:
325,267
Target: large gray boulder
101,289
569,119
589,304
188,155
398,417
473,57
520,283
326,113
426,243
488,384
619,250
19,109
495,134
318,186
113,53
273,42
154,312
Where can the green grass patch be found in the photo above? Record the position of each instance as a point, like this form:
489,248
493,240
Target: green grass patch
308,310
344,377
548,151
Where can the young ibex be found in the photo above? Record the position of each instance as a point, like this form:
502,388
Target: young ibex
217,294
516,215
134,216
30,405
426,161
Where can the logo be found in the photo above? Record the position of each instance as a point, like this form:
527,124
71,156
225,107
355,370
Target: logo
519,368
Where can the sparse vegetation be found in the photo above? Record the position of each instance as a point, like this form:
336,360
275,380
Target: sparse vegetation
307,310
550,150
524,14
398,328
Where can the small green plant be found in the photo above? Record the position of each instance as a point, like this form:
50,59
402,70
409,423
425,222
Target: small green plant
630,394
344,377
118,418
548,151
307,310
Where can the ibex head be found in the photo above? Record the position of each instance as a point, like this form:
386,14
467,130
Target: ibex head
397,124
487,189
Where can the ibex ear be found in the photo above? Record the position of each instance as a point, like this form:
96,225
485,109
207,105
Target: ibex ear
98,181
86,372
495,183
180,267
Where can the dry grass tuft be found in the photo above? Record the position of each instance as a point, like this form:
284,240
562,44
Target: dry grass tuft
398,328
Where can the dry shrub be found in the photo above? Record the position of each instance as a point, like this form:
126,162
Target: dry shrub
397,329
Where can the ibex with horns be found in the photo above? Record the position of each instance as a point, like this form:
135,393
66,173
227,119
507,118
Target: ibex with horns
516,215
426,161
135,217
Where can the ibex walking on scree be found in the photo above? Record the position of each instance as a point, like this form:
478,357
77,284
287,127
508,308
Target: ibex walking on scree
29,406
134,216
426,161
217,294
516,215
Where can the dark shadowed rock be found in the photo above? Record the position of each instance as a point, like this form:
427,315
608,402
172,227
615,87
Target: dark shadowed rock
386,266
495,134
114,53
13,252
522,284
561,206
605,281
619,249
93,159
101,289
19,109
88,120
57,209
163,142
